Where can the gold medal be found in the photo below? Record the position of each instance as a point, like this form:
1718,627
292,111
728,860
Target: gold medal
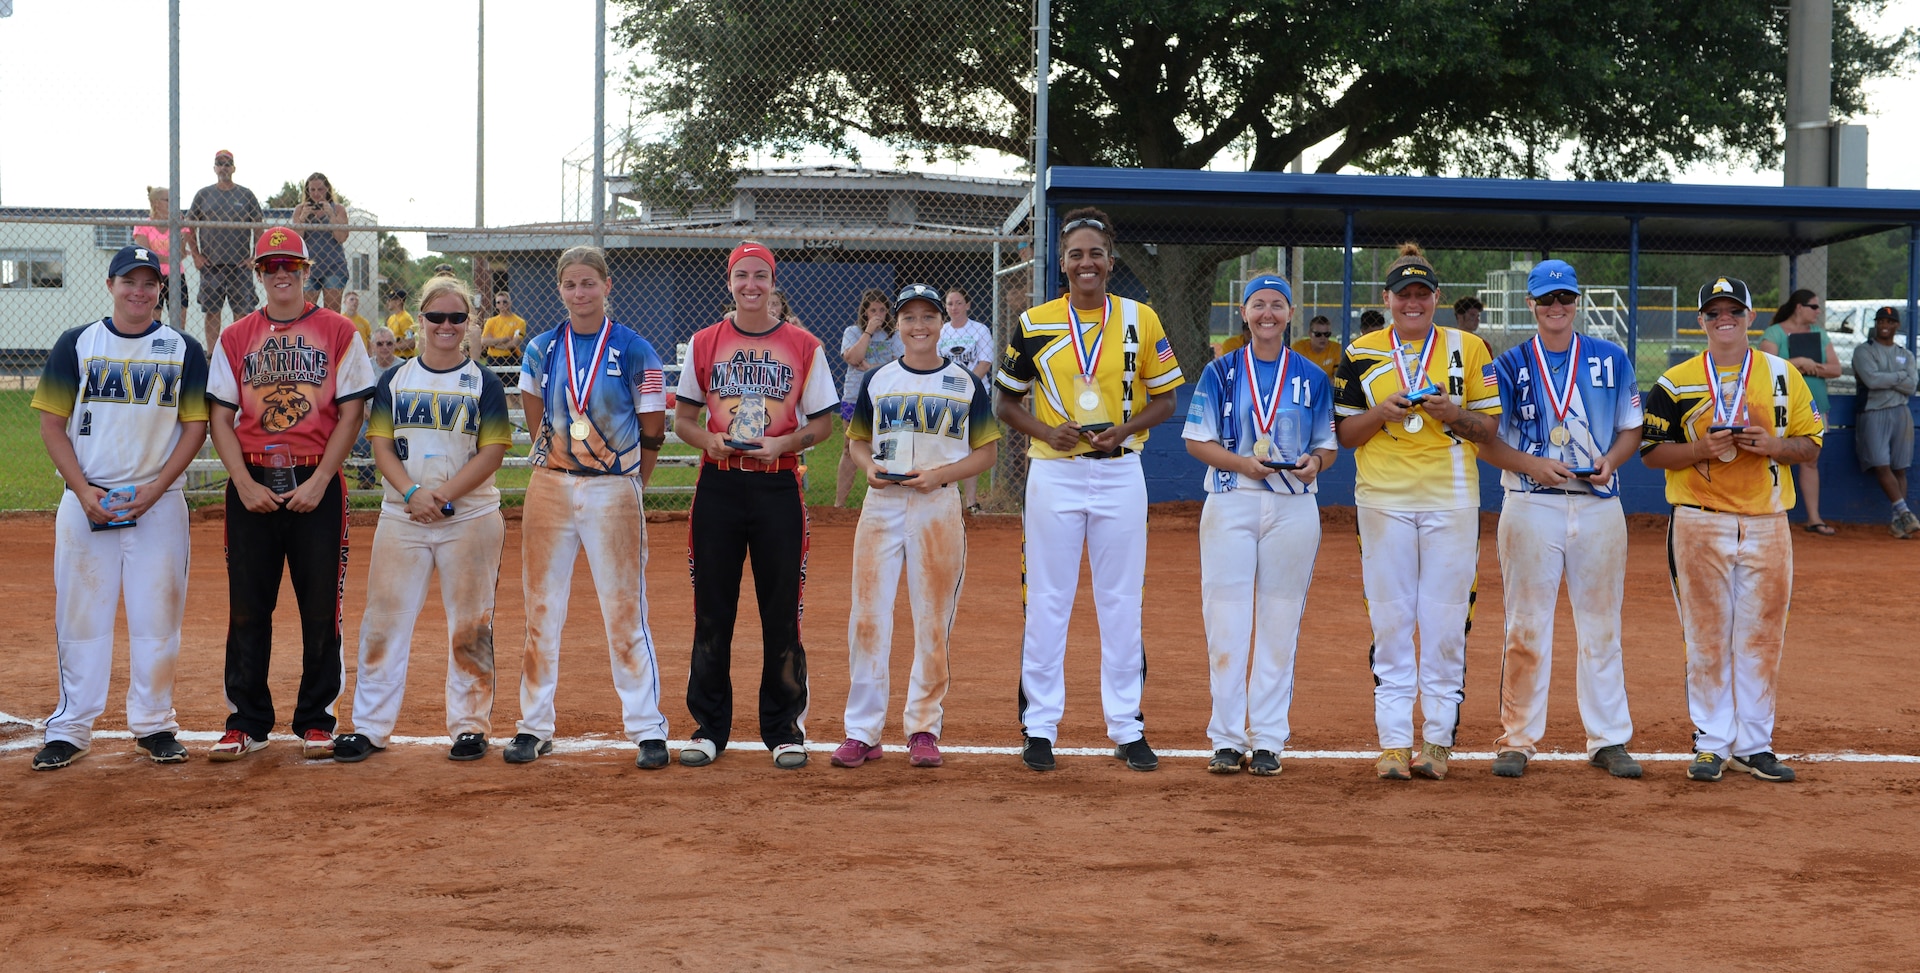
1413,423
1262,448
1089,399
1560,436
578,429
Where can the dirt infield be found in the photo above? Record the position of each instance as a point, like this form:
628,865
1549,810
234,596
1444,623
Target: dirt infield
579,861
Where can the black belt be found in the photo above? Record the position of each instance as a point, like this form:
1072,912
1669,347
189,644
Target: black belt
1557,491
1711,510
1116,454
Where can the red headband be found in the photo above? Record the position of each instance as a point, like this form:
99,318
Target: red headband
750,250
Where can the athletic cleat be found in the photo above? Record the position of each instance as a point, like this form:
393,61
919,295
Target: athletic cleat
1616,760
1138,755
1037,753
1432,762
466,746
698,753
57,754
923,750
1705,766
1898,528
1264,763
525,748
653,755
1764,766
351,748
1393,764
162,748
1909,521
853,753
316,744
233,745
1226,760
1509,763
790,756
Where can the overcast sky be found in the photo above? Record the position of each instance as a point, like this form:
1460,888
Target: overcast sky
379,94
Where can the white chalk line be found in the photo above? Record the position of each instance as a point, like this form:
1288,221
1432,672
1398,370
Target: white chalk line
611,744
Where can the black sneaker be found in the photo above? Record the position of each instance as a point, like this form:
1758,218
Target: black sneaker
351,748
1264,763
1037,753
1509,763
1226,760
1764,766
526,748
1138,755
467,746
162,748
57,754
1617,761
653,755
1705,766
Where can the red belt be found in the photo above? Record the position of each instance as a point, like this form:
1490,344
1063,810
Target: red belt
261,459
788,462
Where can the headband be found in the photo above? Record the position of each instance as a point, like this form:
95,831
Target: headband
751,250
1266,282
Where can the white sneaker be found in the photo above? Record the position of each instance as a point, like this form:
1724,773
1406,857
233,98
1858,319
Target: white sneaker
698,753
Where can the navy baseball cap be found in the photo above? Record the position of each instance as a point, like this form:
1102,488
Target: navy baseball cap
920,292
1887,312
1732,287
130,259
1548,276
1266,282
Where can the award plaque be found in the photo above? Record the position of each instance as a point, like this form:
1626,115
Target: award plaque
279,465
749,422
893,451
1287,442
1086,405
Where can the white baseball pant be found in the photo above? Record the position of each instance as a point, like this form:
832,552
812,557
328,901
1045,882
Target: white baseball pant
1256,560
603,516
145,564
923,533
1733,582
1099,505
405,556
1418,569
1542,536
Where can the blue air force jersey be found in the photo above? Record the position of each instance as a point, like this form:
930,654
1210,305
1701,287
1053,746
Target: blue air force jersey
1605,403
1221,411
631,382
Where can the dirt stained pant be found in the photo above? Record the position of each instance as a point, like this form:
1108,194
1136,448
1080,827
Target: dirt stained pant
1542,537
145,564
925,535
1418,570
1257,550
1733,582
602,516
1099,505
406,555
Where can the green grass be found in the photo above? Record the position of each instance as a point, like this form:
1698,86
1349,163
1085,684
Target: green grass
27,478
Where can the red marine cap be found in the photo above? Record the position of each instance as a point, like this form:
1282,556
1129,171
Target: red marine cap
279,241
751,250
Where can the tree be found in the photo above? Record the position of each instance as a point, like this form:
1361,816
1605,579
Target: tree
1634,90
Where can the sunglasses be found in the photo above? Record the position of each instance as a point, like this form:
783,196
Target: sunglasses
282,265
1811,307
1715,315
442,317
383,344
1081,224
1323,334
1557,297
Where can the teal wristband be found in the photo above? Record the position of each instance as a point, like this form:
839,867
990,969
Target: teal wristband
408,496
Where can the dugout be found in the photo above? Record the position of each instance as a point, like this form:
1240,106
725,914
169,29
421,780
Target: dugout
1217,214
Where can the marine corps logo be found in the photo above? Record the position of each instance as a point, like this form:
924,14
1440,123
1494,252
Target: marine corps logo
285,408
276,238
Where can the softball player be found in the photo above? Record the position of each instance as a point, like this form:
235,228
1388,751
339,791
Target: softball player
595,402
765,386
1260,528
122,405
932,418
287,385
439,429
1569,417
1723,426
1088,360
871,341
1415,401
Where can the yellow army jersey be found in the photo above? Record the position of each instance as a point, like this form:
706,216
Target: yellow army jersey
1431,469
1680,410
1136,362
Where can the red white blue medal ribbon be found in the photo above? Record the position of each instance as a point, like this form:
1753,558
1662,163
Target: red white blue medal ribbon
1087,354
580,392
1724,409
1265,412
1426,357
1560,399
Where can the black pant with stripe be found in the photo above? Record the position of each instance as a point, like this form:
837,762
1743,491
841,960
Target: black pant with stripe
737,512
313,547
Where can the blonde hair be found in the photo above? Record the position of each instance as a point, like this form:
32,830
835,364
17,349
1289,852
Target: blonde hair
441,285
591,256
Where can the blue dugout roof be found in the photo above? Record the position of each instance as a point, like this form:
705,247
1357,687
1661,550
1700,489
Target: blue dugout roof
1186,206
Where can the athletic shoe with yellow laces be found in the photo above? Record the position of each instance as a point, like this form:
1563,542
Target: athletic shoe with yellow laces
1393,764
1432,762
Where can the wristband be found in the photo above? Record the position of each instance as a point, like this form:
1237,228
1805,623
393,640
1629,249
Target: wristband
407,497
652,444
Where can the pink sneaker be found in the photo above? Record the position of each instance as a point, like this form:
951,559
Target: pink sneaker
853,753
923,750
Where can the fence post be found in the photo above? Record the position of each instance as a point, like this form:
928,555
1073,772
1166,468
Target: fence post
1346,287
176,292
1913,284
599,123
1633,292
1042,216
480,122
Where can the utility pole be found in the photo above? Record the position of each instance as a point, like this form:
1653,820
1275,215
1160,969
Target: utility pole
1809,147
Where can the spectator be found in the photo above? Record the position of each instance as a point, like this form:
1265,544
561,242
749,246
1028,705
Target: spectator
380,345
970,344
1233,343
1883,427
867,344
224,257
329,275
1371,321
154,237
400,323
1812,354
1466,314
781,309
382,349
1319,347
504,334
351,309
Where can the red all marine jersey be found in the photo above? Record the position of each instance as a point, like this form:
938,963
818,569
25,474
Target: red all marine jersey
785,366
286,380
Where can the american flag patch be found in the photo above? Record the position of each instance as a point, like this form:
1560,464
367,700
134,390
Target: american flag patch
468,381
954,383
1634,400
1487,377
163,346
652,381
1164,349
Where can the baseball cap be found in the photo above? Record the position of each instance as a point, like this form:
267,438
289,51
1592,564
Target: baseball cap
1732,287
1548,276
130,259
919,292
223,152
1266,282
1413,271
279,241
1887,312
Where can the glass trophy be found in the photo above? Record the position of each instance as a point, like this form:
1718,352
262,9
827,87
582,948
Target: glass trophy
893,451
1579,460
1287,442
1087,406
1730,392
749,422
119,497
279,465
1416,393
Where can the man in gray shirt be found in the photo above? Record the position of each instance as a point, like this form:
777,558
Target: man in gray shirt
1883,427
224,257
